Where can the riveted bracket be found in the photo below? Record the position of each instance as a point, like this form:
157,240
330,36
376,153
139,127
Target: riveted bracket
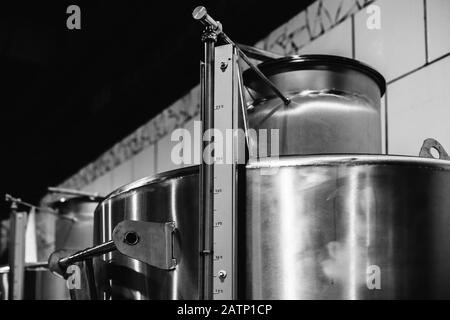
149,242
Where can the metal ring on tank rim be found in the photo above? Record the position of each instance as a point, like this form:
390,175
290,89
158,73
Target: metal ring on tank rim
348,160
287,161
315,62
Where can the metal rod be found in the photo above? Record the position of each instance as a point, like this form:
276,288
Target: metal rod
91,279
201,15
28,266
88,253
72,192
209,38
261,75
207,167
243,106
16,276
10,198
36,265
258,54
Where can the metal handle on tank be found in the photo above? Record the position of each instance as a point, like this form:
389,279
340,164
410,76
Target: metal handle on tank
430,144
86,254
149,242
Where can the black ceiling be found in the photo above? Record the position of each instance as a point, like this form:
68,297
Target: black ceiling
67,96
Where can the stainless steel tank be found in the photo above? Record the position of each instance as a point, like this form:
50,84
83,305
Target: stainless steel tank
168,197
324,227
74,226
347,227
73,232
335,106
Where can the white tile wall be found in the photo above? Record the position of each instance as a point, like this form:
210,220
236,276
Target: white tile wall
103,185
163,155
296,26
438,24
315,23
337,41
122,174
273,38
419,109
332,14
399,46
89,188
144,163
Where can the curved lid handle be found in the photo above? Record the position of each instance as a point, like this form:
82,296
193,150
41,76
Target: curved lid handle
430,144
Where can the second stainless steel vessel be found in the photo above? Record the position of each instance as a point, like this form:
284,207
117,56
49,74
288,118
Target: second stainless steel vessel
168,197
334,109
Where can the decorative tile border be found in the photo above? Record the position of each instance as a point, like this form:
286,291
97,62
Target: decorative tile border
171,118
317,19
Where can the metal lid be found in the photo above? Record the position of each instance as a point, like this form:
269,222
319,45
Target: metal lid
314,62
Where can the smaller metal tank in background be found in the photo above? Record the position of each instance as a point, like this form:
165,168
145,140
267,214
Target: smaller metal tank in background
335,105
74,227
73,232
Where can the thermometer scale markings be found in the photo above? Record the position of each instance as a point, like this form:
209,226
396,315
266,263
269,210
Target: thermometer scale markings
223,173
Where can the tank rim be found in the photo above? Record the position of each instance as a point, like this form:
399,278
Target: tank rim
315,62
349,160
292,161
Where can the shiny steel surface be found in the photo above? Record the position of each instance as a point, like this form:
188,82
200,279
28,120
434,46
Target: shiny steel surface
73,231
323,227
168,197
334,109
347,227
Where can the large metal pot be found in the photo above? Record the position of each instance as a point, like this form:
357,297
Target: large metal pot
168,197
347,227
328,227
335,106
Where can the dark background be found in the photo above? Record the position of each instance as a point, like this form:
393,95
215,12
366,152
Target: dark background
68,95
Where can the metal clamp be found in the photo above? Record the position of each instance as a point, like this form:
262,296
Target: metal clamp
149,242
201,14
431,144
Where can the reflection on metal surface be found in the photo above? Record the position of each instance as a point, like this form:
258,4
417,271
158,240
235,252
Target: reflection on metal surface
148,242
165,198
334,105
324,227
340,227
